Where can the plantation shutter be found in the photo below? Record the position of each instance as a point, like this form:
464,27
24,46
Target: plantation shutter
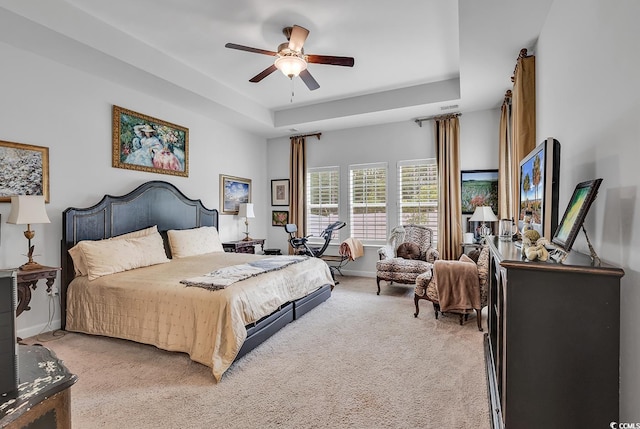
368,201
323,196
418,193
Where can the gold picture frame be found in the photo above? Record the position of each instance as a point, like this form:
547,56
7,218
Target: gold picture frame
144,143
233,192
25,170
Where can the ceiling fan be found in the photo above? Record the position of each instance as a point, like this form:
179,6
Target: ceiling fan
291,59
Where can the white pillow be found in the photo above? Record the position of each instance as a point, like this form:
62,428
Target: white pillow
79,264
196,241
113,256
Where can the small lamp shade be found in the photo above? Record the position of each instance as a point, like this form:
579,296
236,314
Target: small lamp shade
28,209
483,214
246,210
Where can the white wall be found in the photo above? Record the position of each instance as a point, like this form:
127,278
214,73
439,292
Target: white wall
588,97
383,143
44,103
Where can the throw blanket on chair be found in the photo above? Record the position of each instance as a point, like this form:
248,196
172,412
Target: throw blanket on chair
351,248
220,279
458,285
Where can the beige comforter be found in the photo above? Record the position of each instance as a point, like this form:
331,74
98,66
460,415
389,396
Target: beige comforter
149,305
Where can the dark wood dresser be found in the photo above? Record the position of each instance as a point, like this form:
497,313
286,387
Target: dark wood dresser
553,344
43,398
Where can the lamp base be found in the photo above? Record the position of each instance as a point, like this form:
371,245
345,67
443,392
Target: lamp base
247,238
31,265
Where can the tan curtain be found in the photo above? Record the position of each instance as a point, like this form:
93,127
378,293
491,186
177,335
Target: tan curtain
523,117
297,175
507,175
447,140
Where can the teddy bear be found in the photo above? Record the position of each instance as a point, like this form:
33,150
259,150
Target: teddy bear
533,246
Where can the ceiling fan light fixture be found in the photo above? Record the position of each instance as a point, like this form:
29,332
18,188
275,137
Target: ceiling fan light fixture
290,65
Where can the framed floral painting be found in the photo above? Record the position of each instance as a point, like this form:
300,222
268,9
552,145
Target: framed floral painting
143,143
279,217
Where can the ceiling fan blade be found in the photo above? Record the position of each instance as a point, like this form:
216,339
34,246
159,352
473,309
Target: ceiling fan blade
311,83
298,36
327,59
264,73
249,49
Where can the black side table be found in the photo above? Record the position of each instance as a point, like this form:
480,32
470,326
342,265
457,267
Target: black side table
43,398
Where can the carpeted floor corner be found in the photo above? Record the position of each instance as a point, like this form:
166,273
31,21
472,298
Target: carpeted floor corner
359,360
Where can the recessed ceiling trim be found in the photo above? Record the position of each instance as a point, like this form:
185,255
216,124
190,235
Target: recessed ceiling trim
447,90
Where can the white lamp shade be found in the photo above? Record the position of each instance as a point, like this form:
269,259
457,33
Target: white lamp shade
246,210
483,214
28,209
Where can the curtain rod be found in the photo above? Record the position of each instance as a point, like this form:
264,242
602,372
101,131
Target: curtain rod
419,121
307,135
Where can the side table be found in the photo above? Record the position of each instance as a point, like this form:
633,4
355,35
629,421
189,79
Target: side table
243,246
28,279
43,399
466,247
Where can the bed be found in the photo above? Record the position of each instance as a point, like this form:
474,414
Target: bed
150,304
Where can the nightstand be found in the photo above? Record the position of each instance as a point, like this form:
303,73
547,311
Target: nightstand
244,246
467,247
28,279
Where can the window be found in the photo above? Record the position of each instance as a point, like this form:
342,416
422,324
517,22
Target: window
418,193
368,201
323,195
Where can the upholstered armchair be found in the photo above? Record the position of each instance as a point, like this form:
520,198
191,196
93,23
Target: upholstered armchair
458,287
409,252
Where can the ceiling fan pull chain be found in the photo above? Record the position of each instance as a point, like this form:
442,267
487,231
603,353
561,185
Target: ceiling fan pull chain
292,93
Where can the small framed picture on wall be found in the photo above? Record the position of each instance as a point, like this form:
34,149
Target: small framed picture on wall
280,192
279,217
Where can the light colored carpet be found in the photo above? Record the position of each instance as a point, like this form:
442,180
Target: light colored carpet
359,360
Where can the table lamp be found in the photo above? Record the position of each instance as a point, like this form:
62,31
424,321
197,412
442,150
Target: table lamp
484,214
246,211
27,210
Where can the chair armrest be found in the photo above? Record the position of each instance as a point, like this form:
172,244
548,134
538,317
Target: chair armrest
432,255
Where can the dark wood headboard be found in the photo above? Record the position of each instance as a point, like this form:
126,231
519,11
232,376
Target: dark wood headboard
152,203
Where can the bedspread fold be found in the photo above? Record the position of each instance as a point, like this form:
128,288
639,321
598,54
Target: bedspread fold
226,276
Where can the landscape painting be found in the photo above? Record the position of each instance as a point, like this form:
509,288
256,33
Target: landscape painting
233,192
479,188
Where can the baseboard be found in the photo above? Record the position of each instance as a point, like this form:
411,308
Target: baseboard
38,329
358,273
